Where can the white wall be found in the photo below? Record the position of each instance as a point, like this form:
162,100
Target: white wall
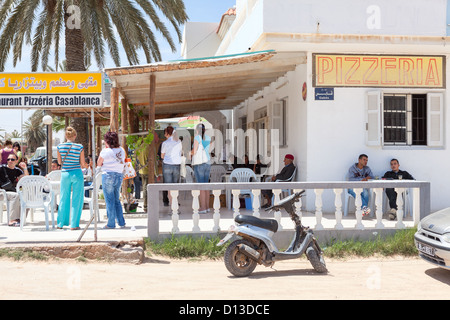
393,17
200,40
336,136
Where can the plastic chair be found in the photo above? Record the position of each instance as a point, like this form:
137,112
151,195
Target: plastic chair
407,207
190,176
55,176
243,175
217,173
35,192
4,199
90,201
291,178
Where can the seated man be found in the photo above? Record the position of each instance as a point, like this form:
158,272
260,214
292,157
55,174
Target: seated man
55,165
361,172
284,174
395,174
14,174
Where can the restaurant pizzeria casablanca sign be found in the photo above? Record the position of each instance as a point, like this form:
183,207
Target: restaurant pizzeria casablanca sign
51,90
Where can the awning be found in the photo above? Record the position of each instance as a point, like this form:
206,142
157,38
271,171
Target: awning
215,83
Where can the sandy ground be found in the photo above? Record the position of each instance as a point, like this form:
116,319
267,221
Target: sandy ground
161,278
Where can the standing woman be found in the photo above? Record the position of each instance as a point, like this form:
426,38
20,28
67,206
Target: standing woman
6,151
16,148
112,161
200,162
171,155
71,157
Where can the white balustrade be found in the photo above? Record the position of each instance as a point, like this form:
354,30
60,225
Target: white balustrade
277,214
216,206
379,207
358,213
420,192
400,224
236,202
195,207
318,204
338,205
175,216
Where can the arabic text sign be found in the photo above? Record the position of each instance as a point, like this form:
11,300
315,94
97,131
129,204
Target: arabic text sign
50,90
324,93
337,70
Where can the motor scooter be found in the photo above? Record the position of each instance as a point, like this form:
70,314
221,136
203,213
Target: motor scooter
252,242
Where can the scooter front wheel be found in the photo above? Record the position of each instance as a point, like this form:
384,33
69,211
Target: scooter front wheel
238,263
316,259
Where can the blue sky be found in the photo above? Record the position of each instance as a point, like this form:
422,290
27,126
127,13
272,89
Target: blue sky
197,10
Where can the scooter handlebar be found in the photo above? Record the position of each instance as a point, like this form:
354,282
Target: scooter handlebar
292,198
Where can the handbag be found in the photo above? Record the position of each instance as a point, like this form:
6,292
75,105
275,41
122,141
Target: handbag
7,185
128,170
200,156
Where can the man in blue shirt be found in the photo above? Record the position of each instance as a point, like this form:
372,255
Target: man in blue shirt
360,171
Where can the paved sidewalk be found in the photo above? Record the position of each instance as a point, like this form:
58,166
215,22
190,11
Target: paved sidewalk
136,226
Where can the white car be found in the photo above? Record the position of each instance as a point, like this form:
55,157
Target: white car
432,238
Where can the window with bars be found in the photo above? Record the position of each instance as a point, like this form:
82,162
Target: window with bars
405,119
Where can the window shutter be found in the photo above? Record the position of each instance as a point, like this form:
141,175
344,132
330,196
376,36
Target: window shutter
435,119
276,119
373,118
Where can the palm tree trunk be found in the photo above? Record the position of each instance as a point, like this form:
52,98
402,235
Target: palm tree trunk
75,62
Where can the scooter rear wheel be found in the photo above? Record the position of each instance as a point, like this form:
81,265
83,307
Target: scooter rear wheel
238,263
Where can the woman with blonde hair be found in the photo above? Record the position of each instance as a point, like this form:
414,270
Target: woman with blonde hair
71,158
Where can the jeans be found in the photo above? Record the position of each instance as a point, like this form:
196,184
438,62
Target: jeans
364,196
72,186
201,172
111,182
171,173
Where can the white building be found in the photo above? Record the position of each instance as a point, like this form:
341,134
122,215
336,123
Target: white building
374,82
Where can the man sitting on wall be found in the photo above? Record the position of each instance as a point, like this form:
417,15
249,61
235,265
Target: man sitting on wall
395,174
360,171
284,175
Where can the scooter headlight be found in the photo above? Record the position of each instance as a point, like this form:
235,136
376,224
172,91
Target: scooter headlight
232,228
446,237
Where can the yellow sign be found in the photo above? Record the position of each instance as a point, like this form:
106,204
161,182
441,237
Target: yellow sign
47,90
339,70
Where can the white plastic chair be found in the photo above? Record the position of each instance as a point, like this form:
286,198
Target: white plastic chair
55,175
35,192
407,207
217,173
90,201
291,178
190,176
243,175
4,199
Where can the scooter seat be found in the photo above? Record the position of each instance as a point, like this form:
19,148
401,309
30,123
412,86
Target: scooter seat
268,224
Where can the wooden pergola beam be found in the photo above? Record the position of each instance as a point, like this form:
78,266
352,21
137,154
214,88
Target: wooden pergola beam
114,121
151,121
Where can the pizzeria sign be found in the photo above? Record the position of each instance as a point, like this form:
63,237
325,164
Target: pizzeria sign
51,90
398,71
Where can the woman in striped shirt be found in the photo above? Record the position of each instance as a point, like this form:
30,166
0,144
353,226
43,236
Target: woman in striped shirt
71,157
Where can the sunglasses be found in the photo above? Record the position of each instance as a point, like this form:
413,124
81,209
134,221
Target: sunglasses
10,159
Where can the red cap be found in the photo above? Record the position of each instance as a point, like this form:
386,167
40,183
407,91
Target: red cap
289,156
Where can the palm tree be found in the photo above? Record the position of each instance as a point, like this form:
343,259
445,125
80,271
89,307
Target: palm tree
34,131
89,27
